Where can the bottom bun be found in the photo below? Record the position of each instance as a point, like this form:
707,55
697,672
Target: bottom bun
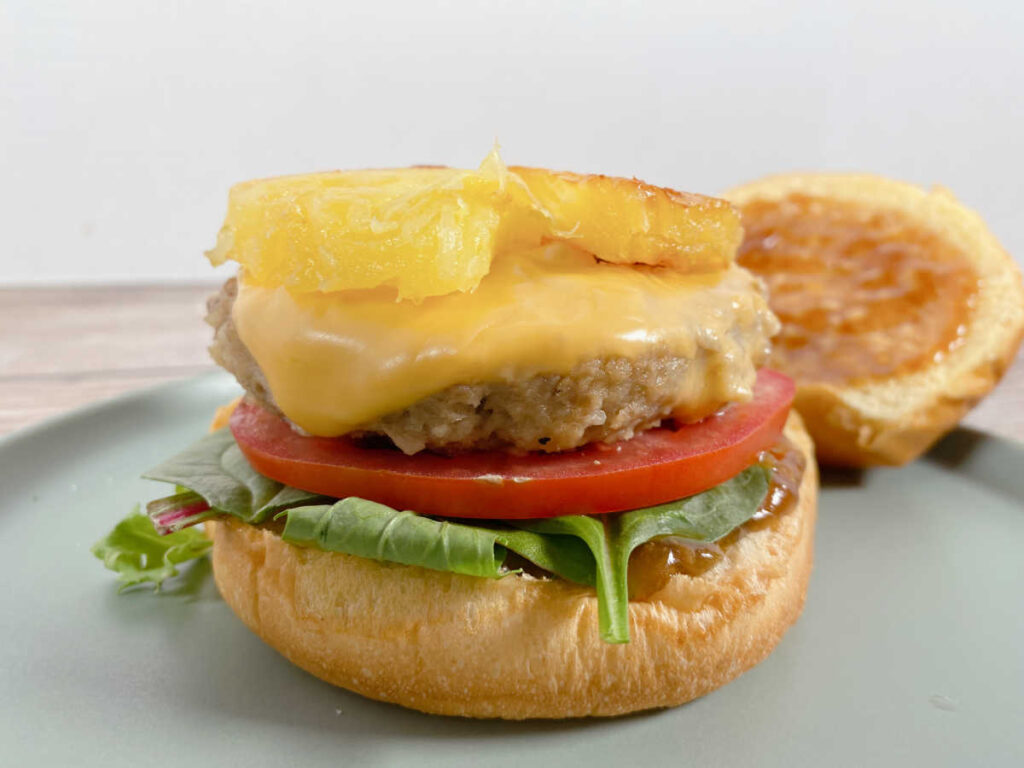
518,647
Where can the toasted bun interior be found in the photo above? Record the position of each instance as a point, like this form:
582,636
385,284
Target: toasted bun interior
518,647
894,419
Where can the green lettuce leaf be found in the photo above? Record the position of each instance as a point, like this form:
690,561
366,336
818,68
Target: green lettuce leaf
138,554
706,517
612,597
367,529
216,469
562,555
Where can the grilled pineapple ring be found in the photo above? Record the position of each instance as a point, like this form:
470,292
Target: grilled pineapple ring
431,231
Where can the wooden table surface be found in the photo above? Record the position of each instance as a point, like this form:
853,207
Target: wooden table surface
61,348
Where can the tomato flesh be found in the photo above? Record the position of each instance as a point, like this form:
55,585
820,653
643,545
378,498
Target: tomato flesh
655,467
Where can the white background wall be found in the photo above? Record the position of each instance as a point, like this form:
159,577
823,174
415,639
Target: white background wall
123,123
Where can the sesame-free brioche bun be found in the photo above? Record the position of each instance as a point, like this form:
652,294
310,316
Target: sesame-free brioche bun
894,418
518,647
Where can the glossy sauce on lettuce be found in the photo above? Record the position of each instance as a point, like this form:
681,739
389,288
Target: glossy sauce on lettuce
862,294
654,563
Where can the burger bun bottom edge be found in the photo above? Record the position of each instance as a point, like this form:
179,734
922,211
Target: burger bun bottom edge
518,647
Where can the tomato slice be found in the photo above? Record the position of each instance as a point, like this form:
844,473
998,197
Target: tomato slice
655,467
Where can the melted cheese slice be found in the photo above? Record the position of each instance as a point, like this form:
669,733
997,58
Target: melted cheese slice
335,362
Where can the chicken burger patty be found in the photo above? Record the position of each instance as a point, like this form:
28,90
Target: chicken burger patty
686,374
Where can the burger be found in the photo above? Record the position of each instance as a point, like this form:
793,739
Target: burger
506,448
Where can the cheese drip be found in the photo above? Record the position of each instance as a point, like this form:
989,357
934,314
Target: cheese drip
337,361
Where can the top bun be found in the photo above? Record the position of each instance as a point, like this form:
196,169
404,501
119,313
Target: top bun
891,413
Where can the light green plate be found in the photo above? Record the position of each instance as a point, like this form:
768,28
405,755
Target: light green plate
910,650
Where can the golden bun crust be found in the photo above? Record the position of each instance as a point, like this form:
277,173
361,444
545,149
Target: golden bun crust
894,420
518,647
